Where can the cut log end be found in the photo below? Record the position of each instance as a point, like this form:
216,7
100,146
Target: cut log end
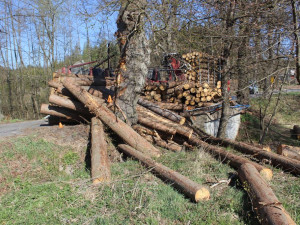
100,181
202,195
266,173
182,121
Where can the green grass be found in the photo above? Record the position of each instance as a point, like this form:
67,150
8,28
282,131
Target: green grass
37,189
287,115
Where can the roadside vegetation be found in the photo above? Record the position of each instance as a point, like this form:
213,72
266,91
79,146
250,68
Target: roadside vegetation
46,181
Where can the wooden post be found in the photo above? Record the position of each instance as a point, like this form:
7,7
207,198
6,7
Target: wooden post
100,164
118,126
190,188
265,203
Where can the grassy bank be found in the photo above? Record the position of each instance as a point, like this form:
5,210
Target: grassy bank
44,183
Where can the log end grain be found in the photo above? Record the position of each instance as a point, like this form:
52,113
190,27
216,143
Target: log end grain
202,194
266,173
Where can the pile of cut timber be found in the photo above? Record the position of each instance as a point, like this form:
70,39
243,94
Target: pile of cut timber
159,124
203,69
187,93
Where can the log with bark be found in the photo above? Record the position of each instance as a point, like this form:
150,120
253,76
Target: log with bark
287,164
63,113
265,203
118,126
292,152
190,188
69,103
100,165
233,160
163,112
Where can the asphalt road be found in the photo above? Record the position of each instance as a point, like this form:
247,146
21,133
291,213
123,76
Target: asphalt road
11,129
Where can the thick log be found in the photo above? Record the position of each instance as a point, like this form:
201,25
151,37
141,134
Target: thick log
100,164
118,126
170,145
265,203
163,112
287,164
89,81
69,103
61,112
157,125
233,160
170,106
180,129
59,88
292,152
188,187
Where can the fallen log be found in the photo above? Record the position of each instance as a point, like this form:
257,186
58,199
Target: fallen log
170,106
118,126
100,165
233,160
69,103
93,81
163,112
288,165
180,129
59,88
292,152
61,112
155,124
265,203
188,187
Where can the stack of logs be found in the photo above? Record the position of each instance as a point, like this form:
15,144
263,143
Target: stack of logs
187,93
159,124
204,67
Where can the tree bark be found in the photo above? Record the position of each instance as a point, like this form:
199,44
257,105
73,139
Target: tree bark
135,53
288,165
70,104
297,39
163,112
292,152
100,163
61,112
188,187
265,203
107,117
227,157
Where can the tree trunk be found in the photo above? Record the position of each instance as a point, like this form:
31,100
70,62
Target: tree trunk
288,165
188,187
70,104
135,53
99,158
61,112
227,157
265,203
292,152
297,39
117,125
163,112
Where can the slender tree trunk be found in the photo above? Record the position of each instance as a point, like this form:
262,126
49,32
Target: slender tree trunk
297,39
226,71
